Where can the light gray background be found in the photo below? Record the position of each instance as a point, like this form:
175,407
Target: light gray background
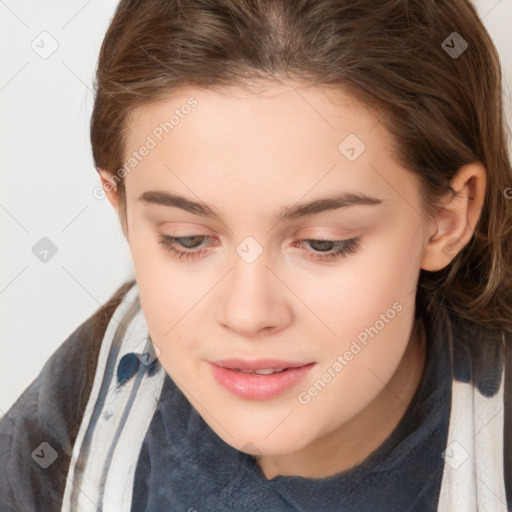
48,177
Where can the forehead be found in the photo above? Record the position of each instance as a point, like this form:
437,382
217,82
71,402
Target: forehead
284,140
305,112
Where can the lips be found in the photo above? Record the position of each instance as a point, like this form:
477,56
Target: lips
239,377
258,364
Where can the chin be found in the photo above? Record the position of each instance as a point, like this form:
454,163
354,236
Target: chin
254,441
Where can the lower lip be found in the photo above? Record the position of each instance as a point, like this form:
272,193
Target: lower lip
259,387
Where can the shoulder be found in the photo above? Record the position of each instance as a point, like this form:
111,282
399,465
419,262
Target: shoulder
38,432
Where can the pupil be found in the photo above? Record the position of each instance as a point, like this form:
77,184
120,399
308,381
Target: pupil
190,242
324,244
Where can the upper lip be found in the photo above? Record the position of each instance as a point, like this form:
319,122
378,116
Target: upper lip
257,364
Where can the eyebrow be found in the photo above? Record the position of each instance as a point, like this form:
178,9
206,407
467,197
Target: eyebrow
332,202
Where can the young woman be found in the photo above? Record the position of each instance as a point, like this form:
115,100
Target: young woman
317,200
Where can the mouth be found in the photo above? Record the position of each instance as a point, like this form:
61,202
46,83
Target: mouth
259,364
259,380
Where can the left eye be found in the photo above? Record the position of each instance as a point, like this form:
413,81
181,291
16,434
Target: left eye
339,248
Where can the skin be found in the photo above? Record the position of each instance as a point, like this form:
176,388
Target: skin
249,153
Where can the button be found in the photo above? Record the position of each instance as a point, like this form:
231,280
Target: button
127,367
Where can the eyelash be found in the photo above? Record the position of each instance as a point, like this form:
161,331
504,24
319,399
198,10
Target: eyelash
344,247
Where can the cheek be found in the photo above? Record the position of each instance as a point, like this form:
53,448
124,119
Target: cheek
167,293
167,287
373,319
344,299
371,330
173,328
168,305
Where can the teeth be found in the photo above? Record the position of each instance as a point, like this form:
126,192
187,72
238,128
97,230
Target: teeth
268,371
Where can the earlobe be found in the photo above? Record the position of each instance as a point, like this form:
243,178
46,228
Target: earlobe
456,222
110,188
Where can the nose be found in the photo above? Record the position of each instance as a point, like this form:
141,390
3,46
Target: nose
254,300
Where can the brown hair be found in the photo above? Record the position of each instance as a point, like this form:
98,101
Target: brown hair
443,110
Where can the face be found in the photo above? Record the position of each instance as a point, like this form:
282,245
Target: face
249,274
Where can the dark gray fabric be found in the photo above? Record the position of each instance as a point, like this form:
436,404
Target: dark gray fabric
49,410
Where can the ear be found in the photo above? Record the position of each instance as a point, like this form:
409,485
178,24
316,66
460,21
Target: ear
455,223
110,188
